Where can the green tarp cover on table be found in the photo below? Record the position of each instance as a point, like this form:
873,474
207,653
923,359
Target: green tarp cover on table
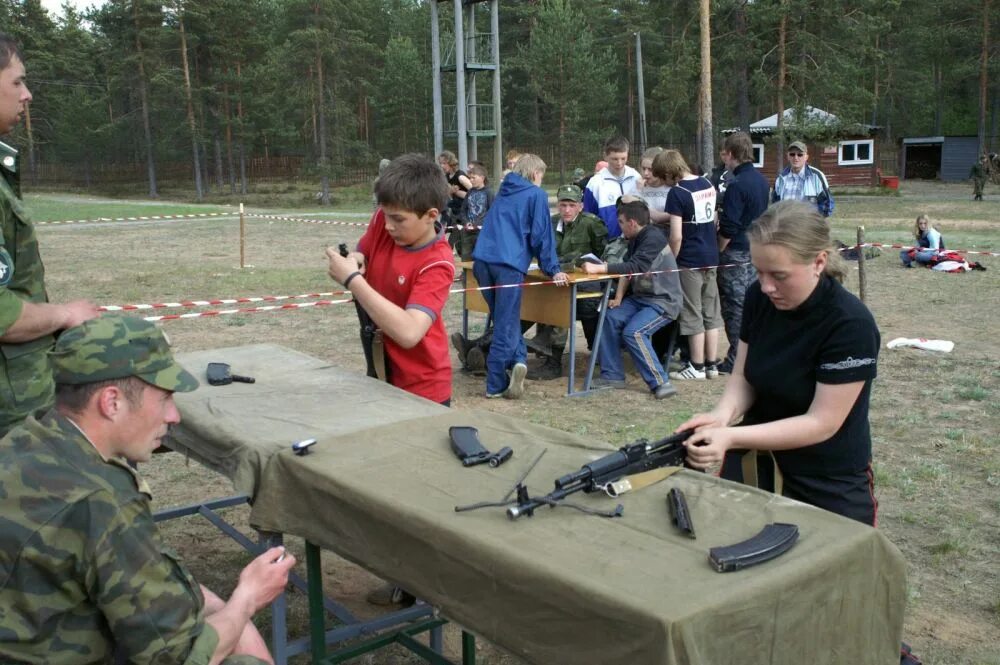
564,587
235,429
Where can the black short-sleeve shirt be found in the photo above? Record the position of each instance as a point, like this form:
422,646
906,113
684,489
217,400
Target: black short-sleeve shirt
831,338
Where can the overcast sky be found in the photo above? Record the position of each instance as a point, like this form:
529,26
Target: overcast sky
55,6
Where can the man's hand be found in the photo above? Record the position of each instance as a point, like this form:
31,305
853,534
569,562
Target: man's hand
341,267
561,278
265,577
79,311
594,268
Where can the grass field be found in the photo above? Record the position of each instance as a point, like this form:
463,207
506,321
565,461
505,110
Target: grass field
935,418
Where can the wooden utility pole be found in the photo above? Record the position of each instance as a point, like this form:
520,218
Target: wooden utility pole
705,98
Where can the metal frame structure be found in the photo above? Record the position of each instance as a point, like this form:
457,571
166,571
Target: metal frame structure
468,58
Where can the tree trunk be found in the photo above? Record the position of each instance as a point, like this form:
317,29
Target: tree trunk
229,138
742,75
32,163
144,100
242,131
323,165
218,160
782,28
938,97
199,192
984,78
705,97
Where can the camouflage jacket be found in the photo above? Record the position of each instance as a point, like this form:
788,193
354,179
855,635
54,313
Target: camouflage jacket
587,234
25,375
83,570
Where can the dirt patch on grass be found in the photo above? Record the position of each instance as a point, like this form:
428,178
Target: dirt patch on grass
935,418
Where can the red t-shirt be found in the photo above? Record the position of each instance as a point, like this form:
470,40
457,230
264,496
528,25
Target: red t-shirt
413,278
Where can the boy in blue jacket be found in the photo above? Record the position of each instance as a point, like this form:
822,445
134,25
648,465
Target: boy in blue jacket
517,228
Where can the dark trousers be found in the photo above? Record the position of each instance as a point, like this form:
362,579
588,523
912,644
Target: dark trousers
733,284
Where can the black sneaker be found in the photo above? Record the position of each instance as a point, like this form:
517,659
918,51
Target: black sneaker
725,367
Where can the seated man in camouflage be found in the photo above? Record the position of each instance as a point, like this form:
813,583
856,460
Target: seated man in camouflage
84,575
577,234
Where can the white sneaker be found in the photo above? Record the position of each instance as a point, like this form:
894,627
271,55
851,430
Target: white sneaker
711,371
689,372
515,389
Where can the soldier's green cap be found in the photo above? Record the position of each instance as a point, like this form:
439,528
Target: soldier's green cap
578,173
115,346
569,193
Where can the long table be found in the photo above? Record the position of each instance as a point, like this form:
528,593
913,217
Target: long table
561,587
236,429
545,302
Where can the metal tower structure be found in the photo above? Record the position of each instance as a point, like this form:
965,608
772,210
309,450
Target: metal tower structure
473,53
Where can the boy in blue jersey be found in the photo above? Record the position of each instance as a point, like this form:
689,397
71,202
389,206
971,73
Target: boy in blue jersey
691,207
614,181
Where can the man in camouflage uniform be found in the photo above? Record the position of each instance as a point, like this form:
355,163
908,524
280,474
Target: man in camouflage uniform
84,574
978,175
27,320
577,233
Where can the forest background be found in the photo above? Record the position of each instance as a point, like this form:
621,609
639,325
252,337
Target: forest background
218,97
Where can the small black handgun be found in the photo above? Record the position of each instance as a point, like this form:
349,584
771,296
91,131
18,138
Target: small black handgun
466,446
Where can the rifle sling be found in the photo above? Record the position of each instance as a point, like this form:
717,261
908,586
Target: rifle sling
639,480
749,464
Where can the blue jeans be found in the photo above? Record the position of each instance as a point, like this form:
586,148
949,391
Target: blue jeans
923,257
508,346
632,325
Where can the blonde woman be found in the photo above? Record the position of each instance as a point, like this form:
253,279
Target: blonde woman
928,240
801,384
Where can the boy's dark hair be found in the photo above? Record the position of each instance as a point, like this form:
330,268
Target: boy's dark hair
616,144
8,49
413,182
635,209
739,146
477,168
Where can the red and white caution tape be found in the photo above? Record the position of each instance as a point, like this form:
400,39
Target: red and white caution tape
246,310
215,301
908,247
140,219
306,220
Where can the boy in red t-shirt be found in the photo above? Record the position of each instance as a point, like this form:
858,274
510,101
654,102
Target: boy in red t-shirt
401,274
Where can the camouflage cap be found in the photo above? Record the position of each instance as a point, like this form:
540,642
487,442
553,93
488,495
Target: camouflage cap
569,193
114,346
578,173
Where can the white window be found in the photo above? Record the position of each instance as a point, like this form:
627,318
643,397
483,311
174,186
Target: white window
856,152
758,155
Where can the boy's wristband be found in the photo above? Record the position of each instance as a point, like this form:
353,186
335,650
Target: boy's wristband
347,282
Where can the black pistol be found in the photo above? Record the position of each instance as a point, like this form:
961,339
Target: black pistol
219,374
466,446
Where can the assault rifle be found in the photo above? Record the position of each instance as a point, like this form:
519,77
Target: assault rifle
597,475
368,328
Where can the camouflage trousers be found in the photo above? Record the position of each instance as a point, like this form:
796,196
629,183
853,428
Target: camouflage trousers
733,284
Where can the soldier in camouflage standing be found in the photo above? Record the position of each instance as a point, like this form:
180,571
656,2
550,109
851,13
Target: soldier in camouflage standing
27,319
577,233
85,576
978,175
